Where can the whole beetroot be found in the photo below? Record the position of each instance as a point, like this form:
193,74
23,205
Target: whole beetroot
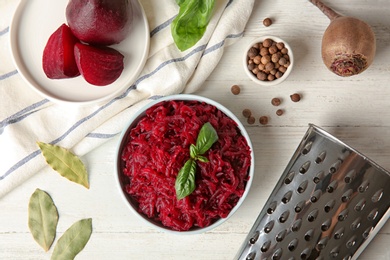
348,44
100,22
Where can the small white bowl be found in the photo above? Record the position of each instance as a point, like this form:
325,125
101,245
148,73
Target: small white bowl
275,81
121,180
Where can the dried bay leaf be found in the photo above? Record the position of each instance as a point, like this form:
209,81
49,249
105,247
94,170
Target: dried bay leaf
73,240
65,163
42,218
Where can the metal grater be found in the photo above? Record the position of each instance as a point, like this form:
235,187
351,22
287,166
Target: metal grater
329,203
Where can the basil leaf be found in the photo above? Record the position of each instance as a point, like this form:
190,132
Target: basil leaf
42,218
202,158
185,180
193,151
190,24
65,163
206,138
73,240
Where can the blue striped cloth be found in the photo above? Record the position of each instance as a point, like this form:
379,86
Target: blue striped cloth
26,117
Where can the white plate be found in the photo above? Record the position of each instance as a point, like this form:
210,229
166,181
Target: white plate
31,27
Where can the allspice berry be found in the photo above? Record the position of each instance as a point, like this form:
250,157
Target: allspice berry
251,120
263,120
253,52
246,113
295,97
276,101
267,43
267,22
235,89
279,112
280,45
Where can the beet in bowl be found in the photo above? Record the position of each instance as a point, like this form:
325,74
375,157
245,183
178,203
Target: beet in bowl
185,164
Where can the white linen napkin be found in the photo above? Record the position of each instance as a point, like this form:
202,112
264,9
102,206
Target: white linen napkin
26,117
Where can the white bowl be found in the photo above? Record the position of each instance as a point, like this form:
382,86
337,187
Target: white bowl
275,81
121,179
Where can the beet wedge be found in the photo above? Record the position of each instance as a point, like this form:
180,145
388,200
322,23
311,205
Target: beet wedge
100,66
58,60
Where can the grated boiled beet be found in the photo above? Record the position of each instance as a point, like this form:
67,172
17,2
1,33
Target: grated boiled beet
158,146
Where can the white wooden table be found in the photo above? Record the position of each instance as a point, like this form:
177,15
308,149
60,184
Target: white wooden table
354,109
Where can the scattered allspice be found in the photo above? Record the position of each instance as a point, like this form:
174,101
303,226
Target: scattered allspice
235,89
276,101
247,113
263,120
251,120
295,97
279,112
267,22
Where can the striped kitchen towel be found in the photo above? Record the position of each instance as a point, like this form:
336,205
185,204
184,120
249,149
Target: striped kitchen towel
26,117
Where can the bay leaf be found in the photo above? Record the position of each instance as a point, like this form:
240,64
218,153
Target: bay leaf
65,163
42,218
73,240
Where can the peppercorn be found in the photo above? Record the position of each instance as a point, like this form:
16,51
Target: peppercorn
264,51
278,74
267,43
279,112
269,66
295,97
261,66
280,45
270,77
263,120
251,120
251,66
282,61
265,59
246,113
235,89
261,75
282,69
267,22
276,101
253,52
255,70
257,59
273,49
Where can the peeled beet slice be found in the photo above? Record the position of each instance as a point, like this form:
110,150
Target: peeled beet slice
99,66
58,60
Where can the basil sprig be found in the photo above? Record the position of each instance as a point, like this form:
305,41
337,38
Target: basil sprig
191,22
185,180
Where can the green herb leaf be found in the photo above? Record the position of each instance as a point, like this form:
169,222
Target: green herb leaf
193,151
65,163
206,138
190,24
73,240
42,218
185,180
202,158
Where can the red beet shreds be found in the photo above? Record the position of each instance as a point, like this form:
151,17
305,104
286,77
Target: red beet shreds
158,146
